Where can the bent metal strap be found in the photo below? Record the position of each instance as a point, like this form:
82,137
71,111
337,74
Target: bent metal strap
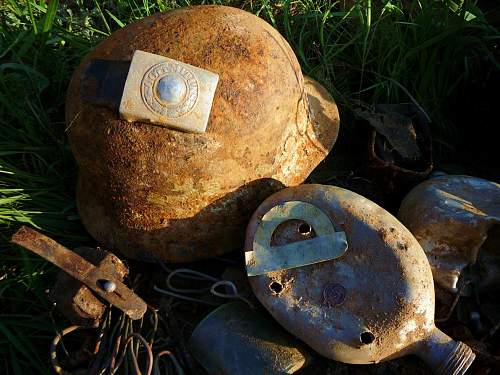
73,264
327,244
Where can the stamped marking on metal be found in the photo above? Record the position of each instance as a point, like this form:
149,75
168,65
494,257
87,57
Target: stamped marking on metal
169,89
334,295
168,93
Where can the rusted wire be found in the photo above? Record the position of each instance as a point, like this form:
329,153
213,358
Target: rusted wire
128,347
181,293
112,350
53,349
189,274
117,342
126,333
180,296
110,340
234,295
104,327
136,346
154,322
196,275
173,329
102,337
115,335
173,359
455,302
149,353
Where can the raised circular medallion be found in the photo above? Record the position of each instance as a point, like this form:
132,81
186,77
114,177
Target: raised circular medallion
169,89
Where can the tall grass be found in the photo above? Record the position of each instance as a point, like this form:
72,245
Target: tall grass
421,51
375,52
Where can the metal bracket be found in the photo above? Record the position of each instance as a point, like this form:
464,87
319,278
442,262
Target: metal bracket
327,244
94,278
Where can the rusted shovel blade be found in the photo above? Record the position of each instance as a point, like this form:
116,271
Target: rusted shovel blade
82,270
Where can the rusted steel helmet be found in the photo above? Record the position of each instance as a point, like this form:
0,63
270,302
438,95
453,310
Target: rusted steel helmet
347,278
452,217
155,192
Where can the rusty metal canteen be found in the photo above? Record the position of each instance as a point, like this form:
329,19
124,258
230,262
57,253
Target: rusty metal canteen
347,278
452,217
182,123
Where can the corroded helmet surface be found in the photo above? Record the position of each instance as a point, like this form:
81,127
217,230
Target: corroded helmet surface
155,192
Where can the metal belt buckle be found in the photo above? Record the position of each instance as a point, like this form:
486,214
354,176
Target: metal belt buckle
167,92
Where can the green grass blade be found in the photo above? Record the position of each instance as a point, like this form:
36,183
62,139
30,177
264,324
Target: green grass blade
50,15
118,22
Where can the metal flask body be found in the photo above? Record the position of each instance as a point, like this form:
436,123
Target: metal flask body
237,340
452,217
371,299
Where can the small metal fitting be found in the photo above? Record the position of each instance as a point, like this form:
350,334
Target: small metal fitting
107,285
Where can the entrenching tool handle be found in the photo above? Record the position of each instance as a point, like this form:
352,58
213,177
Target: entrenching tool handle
82,270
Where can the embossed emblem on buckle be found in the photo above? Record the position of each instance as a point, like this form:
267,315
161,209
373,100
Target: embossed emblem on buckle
167,92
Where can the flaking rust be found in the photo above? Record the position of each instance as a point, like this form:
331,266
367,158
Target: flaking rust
93,277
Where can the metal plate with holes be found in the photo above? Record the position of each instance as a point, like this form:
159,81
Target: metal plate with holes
168,92
327,244
93,277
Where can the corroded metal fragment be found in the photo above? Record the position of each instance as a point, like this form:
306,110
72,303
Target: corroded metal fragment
82,270
75,300
451,217
400,155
